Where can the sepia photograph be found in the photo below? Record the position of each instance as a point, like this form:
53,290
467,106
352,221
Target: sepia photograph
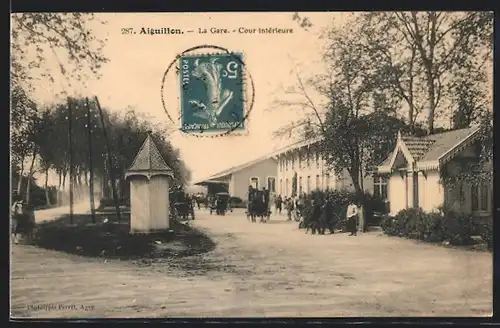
251,164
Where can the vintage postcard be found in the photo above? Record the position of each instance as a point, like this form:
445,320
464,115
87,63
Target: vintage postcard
251,164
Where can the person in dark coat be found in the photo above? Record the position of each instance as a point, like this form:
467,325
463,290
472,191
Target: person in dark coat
327,216
279,203
267,197
251,193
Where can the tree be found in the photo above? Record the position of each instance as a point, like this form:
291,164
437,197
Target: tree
357,123
425,53
66,36
36,39
23,122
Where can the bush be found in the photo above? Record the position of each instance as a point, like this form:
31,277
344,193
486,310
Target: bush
450,226
341,201
388,225
458,228
485,229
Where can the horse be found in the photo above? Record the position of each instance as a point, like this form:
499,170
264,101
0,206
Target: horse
23,221
259,208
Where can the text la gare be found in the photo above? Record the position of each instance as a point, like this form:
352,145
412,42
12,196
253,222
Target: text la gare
213,30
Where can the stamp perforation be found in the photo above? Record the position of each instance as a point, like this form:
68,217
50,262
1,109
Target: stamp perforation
243,127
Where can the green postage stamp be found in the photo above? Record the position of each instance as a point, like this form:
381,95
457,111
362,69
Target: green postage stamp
212,93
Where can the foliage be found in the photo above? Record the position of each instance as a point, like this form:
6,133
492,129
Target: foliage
66,37
340,200
426,61
37,193
449,226
432,60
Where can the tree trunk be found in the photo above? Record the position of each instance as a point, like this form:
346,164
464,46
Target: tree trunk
431,96
59,192
59,173
64,179
47,195
30,176
20,180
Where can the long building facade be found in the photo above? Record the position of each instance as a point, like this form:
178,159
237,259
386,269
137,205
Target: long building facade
305,160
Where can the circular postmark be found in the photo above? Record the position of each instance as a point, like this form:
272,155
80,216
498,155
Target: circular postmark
215,91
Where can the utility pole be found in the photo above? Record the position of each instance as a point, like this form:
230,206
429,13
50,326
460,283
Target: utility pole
70,138
91,165
110,162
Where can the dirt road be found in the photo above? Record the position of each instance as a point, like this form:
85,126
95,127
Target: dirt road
262,270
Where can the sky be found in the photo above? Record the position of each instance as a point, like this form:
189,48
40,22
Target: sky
137,63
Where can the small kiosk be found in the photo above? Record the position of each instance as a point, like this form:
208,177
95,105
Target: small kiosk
149,177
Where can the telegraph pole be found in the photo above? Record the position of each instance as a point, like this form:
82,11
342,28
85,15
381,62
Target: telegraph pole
110,162
91,165
70,138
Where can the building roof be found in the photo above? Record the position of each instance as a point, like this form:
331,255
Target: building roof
149,159
234,169
295,145
432,148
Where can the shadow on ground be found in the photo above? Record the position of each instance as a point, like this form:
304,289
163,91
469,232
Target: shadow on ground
108,238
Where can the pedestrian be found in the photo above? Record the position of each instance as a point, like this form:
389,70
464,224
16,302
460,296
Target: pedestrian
352,217
279,202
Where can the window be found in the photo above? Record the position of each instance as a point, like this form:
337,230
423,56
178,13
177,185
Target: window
327,181
293,162
300,160
281,186
286,163
380,187
286,187
317,159
254,182
318,182
271,184
480,198
308,184
300,185
308,158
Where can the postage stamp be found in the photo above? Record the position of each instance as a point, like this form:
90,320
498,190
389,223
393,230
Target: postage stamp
212,93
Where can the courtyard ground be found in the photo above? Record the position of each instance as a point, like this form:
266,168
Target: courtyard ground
257,270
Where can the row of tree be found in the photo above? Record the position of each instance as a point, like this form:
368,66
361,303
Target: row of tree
40,134
43,134
394,71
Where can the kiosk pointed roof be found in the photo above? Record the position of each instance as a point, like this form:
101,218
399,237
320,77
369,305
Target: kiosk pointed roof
149,158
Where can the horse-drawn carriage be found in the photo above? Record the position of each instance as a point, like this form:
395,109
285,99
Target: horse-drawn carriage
221,203
181,205
258,206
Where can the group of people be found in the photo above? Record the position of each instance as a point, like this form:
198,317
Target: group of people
318,214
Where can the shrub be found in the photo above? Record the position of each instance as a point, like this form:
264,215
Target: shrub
446,225
432,227
388,225
340,200
458,228
485,229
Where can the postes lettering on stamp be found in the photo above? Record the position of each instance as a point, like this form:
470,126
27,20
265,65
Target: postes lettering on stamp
212,94
213,98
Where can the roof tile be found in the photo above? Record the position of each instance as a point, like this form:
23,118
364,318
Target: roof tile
149,158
